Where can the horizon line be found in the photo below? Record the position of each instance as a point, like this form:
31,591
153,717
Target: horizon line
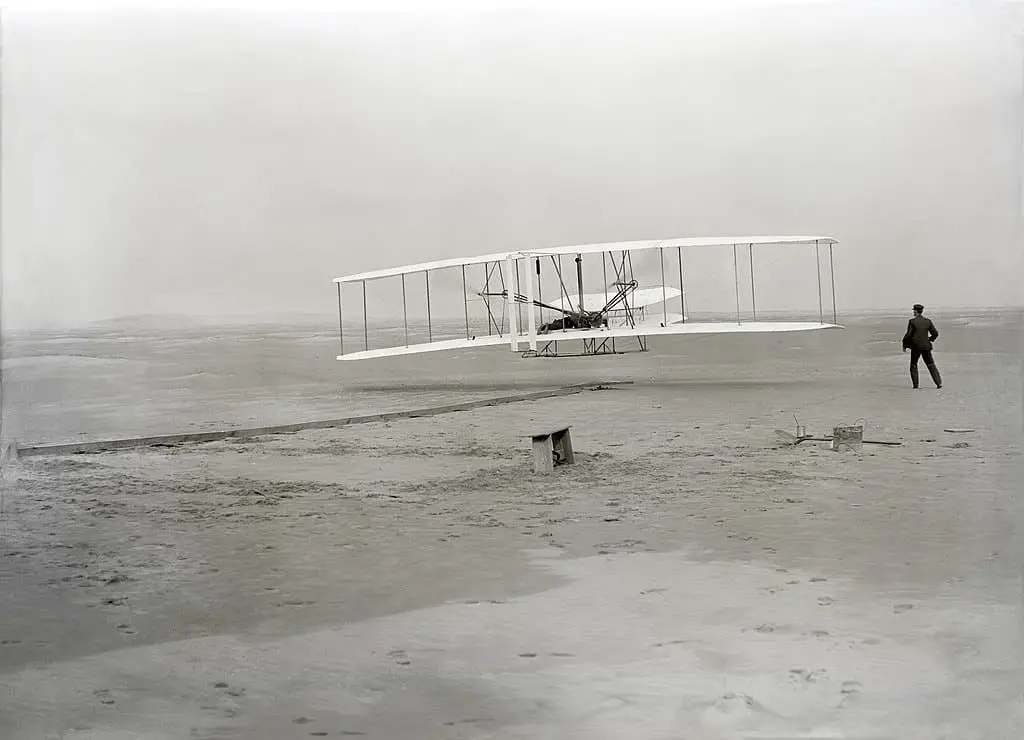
325,316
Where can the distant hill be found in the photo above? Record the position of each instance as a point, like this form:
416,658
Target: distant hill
149,322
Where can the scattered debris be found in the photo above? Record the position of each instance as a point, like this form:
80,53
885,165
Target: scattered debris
847,437
793,440
842,436
957,430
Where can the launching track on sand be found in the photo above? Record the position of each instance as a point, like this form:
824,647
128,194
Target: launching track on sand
77,448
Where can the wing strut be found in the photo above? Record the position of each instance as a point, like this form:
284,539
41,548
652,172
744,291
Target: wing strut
832,270
510,309
579,280
405,313
736,278
753,297
488,270
558,271
817,257
620,279
664,288
426,279
531,317
341,323
465,300
366,331
682,285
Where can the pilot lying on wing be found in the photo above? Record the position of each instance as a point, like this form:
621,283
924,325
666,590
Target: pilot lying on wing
574,321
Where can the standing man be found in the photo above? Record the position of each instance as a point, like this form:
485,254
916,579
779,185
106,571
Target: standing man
921,332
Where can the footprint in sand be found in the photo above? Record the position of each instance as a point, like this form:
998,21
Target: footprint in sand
901,608
764,629
802,675
734,708
826,601
849,691
6,643
742,538
104,696
400,657
223,685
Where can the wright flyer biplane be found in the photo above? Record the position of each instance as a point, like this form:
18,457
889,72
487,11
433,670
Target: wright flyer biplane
571,300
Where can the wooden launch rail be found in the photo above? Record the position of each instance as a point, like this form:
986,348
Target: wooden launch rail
214,436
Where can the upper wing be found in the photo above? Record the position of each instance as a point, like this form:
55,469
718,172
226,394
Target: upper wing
686,242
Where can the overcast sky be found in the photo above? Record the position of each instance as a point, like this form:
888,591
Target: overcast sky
228,163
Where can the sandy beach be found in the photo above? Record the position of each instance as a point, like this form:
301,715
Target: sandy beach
691,576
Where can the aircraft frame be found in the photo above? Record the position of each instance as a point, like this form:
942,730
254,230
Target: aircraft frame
596,319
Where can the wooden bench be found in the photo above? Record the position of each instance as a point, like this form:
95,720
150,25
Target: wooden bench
552,447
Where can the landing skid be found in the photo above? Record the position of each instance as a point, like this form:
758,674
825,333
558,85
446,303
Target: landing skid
591,348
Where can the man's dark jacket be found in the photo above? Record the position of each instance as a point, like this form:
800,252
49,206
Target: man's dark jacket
921,332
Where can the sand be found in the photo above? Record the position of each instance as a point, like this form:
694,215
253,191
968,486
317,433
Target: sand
690,577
